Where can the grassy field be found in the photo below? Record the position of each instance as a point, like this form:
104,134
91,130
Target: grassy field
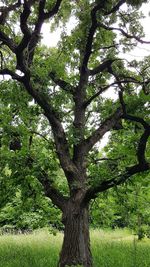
110,249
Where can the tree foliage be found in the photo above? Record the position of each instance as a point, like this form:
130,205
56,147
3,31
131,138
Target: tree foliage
59,94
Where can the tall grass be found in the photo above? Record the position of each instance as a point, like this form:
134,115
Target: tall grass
119,249
40,249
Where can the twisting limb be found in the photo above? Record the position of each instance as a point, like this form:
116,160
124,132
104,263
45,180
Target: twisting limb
24,27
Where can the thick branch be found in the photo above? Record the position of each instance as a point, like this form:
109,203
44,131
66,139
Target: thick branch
140,167
57,198
136,119
24,18
105,65
93,191
11,73
61,143
80,94
50,191
142,147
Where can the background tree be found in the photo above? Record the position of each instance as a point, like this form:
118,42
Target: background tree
71,97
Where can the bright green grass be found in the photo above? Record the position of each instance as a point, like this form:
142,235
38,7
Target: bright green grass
110,249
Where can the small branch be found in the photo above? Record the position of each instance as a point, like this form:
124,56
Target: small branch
131,117
41,135
6,9
89,41
145,135
106,126
101,90
53,11
129,36
7,41
61,83
115,8
106,159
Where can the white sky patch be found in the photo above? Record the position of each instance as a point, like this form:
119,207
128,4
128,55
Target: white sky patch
51,38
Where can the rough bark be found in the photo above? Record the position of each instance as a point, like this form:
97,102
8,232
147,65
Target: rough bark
76,244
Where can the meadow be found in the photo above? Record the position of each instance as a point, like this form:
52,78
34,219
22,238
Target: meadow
118,248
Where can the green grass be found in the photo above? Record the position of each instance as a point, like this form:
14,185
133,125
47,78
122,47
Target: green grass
110,249
119,249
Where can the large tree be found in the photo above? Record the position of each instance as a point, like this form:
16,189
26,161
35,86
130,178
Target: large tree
68,83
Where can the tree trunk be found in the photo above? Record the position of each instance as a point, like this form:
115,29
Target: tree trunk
76,244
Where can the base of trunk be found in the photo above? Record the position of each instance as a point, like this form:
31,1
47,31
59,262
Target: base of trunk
76,244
